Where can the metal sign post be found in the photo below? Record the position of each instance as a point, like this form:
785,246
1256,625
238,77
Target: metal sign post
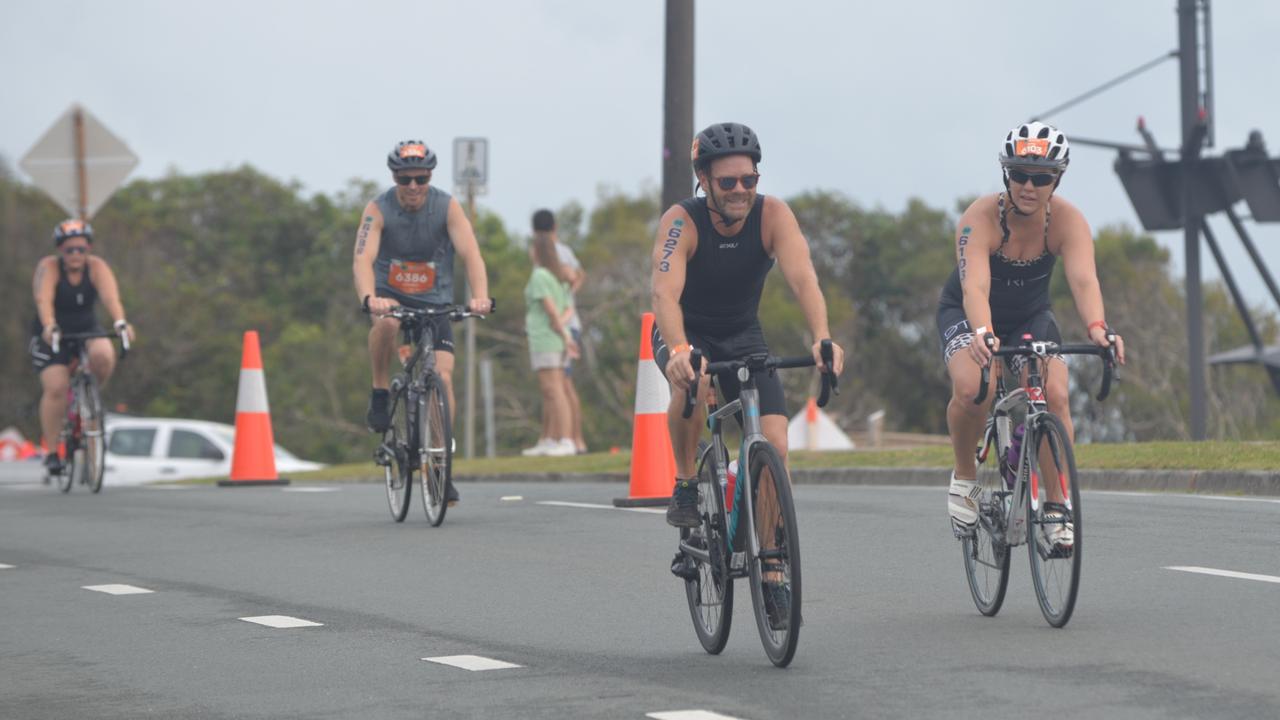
471,175
79,163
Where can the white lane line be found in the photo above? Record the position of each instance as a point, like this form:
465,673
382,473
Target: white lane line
593,506
310,489
116,589
1187,495
472,662
511,498
281,621
690,715
1224,573
5,567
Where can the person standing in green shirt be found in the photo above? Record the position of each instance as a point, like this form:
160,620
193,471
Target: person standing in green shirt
547,311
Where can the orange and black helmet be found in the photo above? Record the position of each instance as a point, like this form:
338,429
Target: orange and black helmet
70,228
722,140
411,155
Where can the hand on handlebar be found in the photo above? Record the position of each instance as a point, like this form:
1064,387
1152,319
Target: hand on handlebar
380,305
480,306
680,371
1106,337
49,335
837,365
982,346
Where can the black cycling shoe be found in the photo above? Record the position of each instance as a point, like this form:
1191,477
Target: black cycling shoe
450,494
378,417
777,604
683,510
683,567
52,465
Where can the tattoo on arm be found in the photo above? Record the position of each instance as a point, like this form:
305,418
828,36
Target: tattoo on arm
669,245
363,235
962,243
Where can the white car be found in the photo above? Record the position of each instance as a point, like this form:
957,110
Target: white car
142,450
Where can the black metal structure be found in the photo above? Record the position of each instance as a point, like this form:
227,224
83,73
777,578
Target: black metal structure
677,124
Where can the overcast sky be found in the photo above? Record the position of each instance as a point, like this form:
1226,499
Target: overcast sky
881,101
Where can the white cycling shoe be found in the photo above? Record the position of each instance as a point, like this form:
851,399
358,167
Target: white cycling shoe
1058,535
962,505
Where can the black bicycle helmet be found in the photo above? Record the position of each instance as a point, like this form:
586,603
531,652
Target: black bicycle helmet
411,155
722,140
70,228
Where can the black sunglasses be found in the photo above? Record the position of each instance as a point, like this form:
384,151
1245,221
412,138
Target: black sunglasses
416,179
1037,179
728,183
75,250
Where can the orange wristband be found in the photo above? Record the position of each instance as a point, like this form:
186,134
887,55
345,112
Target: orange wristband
1097,324
682,347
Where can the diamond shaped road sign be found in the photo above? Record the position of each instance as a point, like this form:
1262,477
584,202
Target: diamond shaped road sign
52,165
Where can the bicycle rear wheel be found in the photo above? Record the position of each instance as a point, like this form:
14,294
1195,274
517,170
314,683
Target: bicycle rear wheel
69,462
710,595
436,464
986,553
775,570
92,435
398,469
1055,566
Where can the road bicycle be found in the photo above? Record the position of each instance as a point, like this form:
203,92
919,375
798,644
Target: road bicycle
1031,451
83,436
420,436
748,530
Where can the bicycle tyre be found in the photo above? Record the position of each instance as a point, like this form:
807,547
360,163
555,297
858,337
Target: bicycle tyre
778,538
986,552
398,473
710,596
70,446
93,435
436,465
1056,576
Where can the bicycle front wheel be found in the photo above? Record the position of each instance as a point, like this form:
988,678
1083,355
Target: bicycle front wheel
710,594
92,435
986,552
436,458
775,570
398,469
1054,527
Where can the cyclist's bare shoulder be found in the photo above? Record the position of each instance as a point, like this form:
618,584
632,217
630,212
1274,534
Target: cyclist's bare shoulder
979,225
677,238
1067,225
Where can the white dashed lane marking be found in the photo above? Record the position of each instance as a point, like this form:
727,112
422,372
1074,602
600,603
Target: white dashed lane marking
593,506
472,662
1225,573
281,621
5,567
116,589
512,498
690,715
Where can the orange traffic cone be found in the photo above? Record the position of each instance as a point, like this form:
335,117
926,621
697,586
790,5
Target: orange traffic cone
254,459
653,464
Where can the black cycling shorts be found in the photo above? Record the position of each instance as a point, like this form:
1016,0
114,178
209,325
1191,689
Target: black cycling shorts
956,334
734,345
42,355
441,326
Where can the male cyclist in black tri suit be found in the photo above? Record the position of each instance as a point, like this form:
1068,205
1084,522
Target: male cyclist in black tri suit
710,260
1006,247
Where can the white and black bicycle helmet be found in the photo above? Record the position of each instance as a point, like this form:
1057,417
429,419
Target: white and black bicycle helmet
411,155
1036,144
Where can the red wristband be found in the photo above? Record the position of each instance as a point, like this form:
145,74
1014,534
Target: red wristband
1098,324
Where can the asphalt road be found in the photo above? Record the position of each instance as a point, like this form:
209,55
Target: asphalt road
581,600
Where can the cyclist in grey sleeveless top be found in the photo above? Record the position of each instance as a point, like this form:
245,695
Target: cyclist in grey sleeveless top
1006,247
405,248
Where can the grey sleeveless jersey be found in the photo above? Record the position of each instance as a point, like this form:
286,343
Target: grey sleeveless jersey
415,256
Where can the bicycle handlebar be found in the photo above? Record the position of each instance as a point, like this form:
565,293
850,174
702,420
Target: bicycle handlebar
58,336
1039,349
404,312
759,363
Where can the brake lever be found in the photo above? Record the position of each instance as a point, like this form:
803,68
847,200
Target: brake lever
691,394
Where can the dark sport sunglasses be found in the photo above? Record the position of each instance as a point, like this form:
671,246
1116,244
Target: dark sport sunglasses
415,179
75,250
1037,179
728,183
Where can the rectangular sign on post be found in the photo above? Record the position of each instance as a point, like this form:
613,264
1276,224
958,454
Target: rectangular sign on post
471,164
